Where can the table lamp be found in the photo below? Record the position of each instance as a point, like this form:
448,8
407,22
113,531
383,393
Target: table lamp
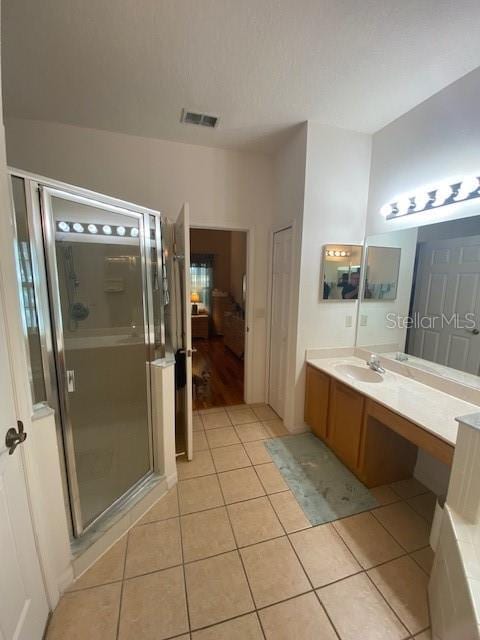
194,299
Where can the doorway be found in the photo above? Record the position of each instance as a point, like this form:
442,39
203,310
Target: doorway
218,267
279,323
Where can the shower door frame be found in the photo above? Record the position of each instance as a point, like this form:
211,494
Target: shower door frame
38,191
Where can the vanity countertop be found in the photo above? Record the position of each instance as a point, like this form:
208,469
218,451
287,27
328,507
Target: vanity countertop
429,408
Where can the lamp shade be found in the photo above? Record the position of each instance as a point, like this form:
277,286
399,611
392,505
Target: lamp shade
194,297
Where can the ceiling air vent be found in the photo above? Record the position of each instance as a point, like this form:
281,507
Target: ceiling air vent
203,119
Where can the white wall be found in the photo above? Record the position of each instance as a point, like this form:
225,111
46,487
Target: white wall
336,190
224,188
437,139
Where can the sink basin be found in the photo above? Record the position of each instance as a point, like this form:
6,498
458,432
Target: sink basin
362,374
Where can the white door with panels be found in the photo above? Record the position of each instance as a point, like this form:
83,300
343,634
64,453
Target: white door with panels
448,283
280,312
23,603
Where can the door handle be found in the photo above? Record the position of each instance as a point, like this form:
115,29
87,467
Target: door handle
71,380
188,352
474,331
14,437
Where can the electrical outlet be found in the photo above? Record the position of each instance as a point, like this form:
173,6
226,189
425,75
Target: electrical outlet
363,320
348,321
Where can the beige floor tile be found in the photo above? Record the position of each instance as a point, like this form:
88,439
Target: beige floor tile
251,432
217,589
166,507
229,458
289,512
109,568
404,524
275,428
424,505
222,437
153,606
241,484
92,614
264,412
199,494
384,495
199,441
369,542
404,586
301,618
206,412
243,628
425,635
216,420
424,558
324,555
197,423
241,416
273,571
206,533
257,452
358,610
408,488
201,465
152,547
271,478
254,521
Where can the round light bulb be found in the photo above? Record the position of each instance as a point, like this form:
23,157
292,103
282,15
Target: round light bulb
343,254
443,192
386,210
469,184
64,226
337,254
421,199
92,228
134,232
107,229
78,227
403,205
121,231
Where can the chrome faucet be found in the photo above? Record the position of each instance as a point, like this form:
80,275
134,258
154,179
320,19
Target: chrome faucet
374,363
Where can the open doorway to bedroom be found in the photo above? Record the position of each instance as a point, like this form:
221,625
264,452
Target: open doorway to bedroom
218,269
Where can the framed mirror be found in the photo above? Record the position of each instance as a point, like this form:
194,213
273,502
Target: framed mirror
341,271
381,273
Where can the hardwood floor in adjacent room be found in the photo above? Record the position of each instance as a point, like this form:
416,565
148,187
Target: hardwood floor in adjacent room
223,383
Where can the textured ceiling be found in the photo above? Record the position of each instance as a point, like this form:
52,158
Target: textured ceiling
261,65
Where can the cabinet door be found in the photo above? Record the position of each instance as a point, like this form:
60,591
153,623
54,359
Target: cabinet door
316,401
345,423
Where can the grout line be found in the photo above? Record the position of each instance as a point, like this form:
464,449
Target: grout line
120,603
183,564
390,606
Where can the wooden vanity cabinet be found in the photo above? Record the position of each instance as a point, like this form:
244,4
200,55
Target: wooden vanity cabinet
317,389
345,422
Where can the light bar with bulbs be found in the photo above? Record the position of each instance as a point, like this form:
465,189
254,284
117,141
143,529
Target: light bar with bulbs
334,253
97,229
444,194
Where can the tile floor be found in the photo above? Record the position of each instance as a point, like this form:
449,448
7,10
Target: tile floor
230,555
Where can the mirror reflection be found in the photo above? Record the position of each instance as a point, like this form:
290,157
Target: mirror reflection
433,322
341,267
381,273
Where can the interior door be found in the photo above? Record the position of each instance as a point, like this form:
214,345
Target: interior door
182,254
448,283
281,278
23,603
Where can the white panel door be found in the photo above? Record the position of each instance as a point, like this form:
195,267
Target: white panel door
448,283
23,603
182,253
281,279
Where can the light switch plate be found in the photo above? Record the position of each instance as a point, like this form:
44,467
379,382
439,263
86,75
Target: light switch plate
348,321
363,320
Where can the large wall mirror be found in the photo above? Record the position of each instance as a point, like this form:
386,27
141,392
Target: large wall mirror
429,313
341,269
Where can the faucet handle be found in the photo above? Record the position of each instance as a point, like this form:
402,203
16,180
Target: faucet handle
373,359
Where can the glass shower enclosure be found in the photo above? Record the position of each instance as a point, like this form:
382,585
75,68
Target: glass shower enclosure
105,299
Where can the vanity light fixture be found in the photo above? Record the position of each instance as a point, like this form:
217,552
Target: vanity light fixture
448,192
336,253
95,229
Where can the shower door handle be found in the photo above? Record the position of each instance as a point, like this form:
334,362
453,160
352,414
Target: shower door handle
71,380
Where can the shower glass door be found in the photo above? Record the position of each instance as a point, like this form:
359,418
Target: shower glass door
97,269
